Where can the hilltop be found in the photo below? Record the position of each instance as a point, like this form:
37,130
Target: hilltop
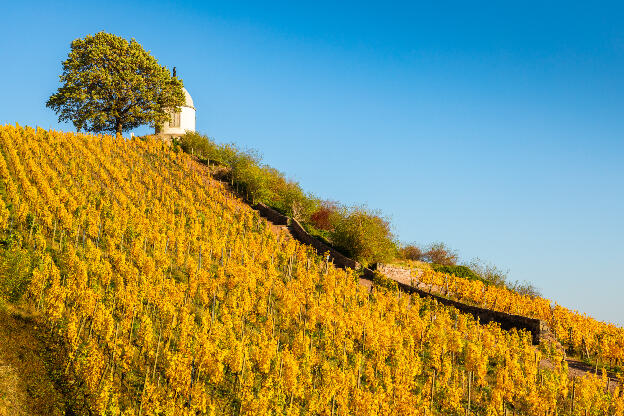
171,295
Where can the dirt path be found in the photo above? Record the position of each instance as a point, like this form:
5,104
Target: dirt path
26,387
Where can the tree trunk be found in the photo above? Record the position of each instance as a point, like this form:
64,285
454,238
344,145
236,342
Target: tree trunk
119,127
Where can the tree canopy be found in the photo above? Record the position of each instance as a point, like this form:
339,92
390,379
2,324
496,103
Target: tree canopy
110,84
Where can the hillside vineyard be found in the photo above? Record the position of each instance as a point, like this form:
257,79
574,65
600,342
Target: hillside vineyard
173,297
602,343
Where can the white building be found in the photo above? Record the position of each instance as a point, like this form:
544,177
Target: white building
179,122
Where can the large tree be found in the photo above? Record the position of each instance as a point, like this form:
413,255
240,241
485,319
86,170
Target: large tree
110,84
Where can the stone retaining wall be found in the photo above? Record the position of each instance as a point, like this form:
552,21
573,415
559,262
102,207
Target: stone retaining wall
339,259
507,321
270,214
399,275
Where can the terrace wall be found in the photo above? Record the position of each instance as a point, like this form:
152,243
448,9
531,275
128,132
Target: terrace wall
399,275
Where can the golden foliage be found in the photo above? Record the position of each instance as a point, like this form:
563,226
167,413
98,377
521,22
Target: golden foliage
176,299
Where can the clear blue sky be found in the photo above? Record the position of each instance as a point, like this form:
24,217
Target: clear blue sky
498,129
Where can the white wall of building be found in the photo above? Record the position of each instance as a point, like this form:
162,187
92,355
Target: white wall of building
185,118
187,123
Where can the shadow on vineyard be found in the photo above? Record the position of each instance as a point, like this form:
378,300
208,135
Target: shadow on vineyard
33,380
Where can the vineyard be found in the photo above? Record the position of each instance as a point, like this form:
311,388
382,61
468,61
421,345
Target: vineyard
598,342
172,297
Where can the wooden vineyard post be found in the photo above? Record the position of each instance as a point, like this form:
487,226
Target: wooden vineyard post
573,393
469,386
360,369
143,390
433,379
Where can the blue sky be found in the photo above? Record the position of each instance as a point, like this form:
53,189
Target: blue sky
495,128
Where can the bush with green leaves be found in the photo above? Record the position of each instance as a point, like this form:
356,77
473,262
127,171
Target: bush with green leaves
200,146
459,271
252,179
365,236
15,270
356,232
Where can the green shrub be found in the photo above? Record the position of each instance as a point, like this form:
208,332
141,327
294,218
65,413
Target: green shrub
202,147
459,271
251,179
364,236
15,271
289,198
322,235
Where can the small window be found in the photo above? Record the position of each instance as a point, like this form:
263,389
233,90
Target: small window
174,120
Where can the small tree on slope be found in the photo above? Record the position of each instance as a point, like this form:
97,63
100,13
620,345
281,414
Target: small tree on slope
110,85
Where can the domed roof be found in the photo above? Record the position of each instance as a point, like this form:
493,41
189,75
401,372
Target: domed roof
188,101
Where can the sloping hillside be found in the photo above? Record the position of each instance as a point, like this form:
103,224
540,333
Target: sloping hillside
172,297
599,343
33,380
